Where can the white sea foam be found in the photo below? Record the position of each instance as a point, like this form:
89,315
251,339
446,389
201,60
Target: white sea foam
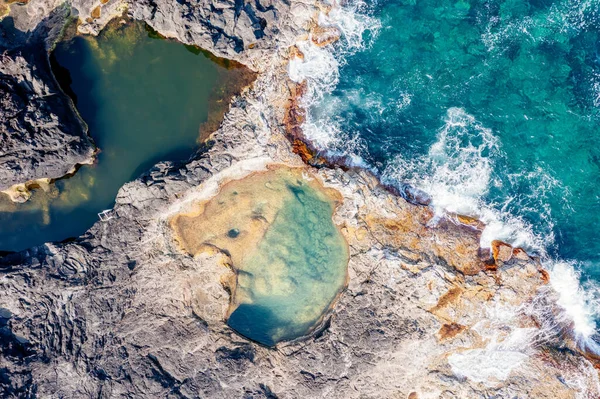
319,69
456,172
508,345
562,17
580,304
595,84
486,365
458,169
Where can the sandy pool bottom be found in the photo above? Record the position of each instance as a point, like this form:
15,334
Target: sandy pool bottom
289,257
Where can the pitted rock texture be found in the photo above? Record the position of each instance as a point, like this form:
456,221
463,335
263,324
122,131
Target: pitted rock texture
243,30
123,312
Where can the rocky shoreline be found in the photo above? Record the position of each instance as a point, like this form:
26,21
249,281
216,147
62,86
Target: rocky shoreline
44,137
122,311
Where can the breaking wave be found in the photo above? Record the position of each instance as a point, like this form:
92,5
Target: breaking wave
458,170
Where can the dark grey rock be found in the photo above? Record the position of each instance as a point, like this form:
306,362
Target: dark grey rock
41,135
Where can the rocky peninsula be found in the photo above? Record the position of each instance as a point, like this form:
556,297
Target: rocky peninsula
126,310
43,136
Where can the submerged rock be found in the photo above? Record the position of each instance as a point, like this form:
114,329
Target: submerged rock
290,259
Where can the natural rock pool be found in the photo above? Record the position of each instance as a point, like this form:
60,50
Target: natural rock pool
144,100
290,258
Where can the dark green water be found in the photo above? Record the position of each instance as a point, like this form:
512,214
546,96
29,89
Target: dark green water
144,100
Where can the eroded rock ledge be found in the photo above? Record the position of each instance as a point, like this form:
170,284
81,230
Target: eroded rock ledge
41,135
122,311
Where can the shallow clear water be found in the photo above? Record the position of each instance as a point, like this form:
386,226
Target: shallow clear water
144,100
493,107
290,259
305,243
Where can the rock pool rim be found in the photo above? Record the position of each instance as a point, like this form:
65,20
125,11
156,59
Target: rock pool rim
195,49
230,285
247,76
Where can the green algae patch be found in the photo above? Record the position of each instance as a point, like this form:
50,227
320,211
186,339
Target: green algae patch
289,257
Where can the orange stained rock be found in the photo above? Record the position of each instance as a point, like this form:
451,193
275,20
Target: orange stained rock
96,13
545,276
450,330
470,221
520,254
4,10
322,36
299,147
501,251
450,297
296,53
442,243
294,115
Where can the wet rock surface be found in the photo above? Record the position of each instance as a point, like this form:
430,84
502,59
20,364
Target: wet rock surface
122,312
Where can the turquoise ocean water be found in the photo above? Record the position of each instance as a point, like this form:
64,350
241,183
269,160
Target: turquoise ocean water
492,107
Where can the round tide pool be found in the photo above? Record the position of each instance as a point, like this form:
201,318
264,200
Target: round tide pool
289,257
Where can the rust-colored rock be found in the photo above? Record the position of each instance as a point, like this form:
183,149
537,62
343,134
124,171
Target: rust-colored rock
520,254
323,36
501,251
296,53
293,119
545,276
448,298
450,330
411,230
96,12
299,147
470,221
294,115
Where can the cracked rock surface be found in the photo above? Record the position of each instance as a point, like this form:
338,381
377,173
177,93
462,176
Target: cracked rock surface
41,136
